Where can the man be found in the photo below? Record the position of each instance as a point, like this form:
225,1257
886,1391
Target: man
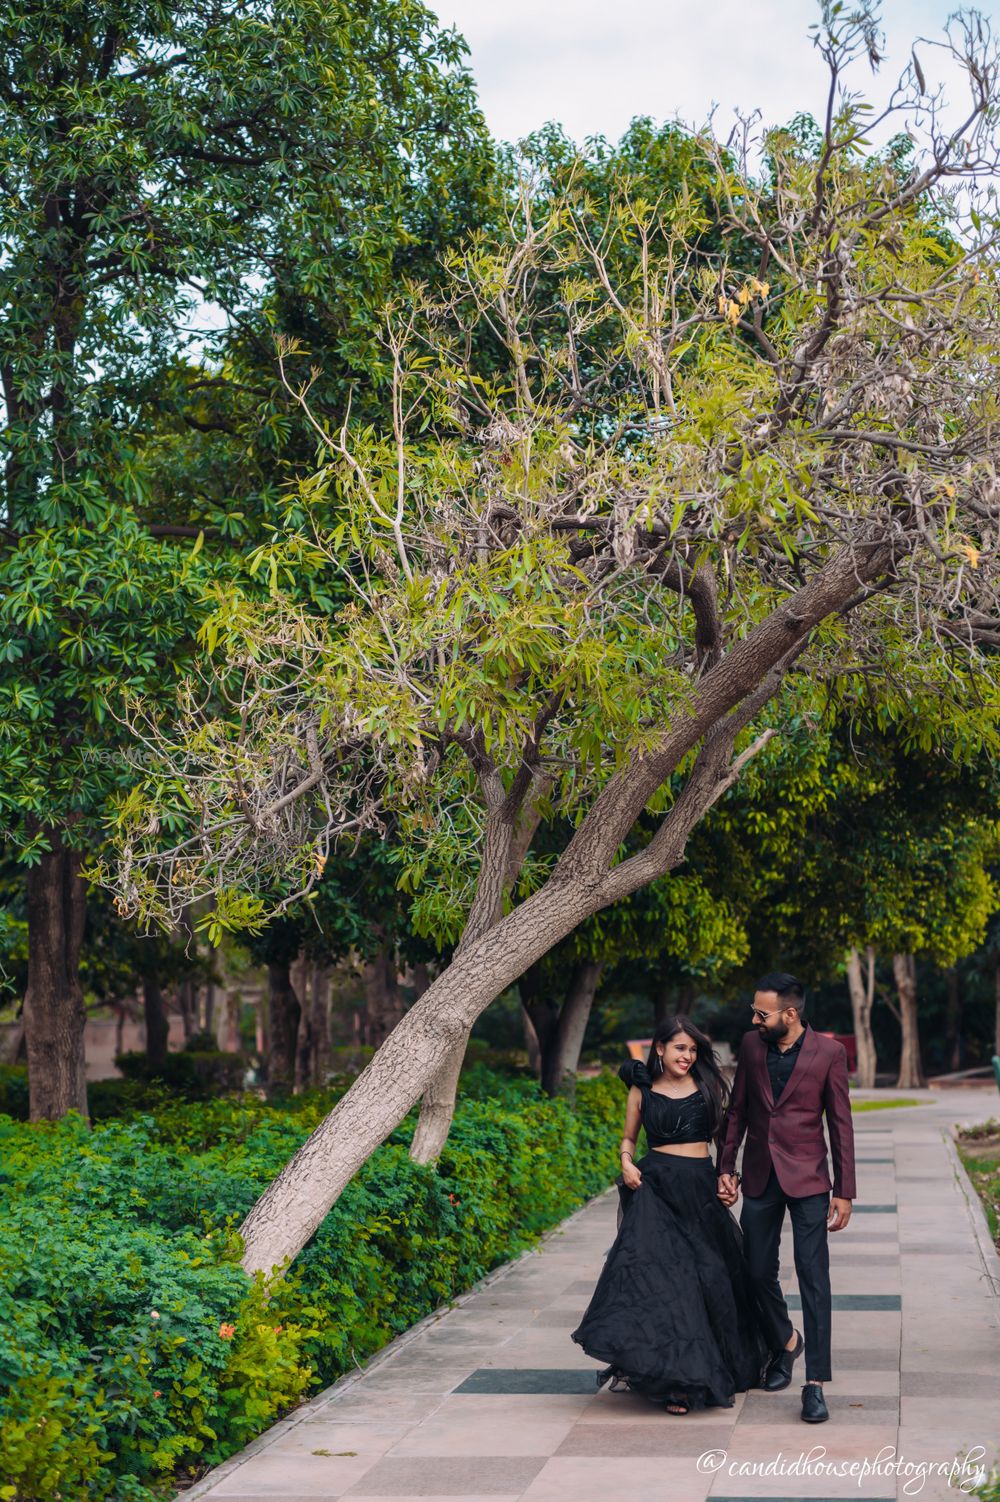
787,1077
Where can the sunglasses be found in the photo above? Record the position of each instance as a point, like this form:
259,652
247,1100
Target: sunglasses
758,1012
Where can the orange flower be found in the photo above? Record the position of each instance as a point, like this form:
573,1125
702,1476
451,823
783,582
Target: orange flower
226,1332
156,1392
278,1329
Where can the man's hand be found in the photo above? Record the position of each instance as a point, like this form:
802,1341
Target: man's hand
839,1214
727,1188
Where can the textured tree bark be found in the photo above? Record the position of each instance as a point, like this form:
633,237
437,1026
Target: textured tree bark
54,1013
157,1024
911,1073
562,1058
585,879
862,992
284,1012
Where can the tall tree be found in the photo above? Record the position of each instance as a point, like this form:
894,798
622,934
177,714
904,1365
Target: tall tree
165,163
684,494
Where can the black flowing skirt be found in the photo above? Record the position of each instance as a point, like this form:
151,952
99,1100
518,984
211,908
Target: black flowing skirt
674,1309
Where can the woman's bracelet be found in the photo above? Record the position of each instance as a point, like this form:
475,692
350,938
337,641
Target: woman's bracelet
626,1155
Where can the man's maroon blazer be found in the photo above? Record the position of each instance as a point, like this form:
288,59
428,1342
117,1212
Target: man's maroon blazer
790,1134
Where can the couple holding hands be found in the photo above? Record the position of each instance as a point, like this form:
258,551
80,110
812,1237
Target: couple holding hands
688,1309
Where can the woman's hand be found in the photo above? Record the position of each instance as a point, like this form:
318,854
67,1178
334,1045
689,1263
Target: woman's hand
631,1176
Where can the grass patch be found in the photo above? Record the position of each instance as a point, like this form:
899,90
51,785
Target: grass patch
882,1105
979,1150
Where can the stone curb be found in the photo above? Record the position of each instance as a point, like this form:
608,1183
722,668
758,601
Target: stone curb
988,1254
386,1354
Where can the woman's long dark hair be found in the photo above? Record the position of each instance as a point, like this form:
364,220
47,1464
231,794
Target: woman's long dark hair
708,1076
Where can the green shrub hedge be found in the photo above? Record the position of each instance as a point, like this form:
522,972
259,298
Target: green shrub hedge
135,1351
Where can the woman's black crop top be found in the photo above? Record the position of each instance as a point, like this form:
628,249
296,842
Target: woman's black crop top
667,1121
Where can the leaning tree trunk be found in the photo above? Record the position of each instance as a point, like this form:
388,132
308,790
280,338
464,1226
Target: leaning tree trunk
284,1011
586,879
54,1012
862,992
562,1058
911,1074
436,1026
157,1024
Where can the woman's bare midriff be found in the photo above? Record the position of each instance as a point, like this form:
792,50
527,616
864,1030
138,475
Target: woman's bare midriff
685,1149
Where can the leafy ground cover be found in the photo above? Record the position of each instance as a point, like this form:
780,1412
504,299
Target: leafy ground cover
134,1349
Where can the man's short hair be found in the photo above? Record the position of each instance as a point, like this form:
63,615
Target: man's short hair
789,990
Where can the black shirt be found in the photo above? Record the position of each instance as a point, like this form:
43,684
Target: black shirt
780,1064
667,1118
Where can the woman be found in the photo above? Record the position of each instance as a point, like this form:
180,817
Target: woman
673,1312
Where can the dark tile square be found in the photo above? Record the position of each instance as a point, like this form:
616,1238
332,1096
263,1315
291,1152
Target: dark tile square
640,1440
778,1407
501,1379
881,1301
448,1476
874,1209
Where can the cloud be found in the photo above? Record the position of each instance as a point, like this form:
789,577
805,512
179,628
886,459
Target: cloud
593,65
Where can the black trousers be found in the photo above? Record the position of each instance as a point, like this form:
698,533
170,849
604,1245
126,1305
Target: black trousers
761,1219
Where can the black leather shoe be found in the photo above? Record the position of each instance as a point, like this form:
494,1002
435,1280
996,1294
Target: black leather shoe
779,1368
814,1409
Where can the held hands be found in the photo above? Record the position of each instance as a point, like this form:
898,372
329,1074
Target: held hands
728,1188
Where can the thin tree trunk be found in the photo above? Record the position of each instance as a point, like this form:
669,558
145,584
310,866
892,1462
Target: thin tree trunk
510,827
312,1059
911,1074
862,992
996,1016
54,1012
319,1014
953,1019
301,976
284,1013
157,1025
540,1015
187,1003
383,998
531,1043
560,1062
229,1040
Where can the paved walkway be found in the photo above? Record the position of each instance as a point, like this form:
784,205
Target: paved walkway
492,1400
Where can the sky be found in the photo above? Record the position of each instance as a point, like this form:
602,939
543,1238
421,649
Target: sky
594,64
